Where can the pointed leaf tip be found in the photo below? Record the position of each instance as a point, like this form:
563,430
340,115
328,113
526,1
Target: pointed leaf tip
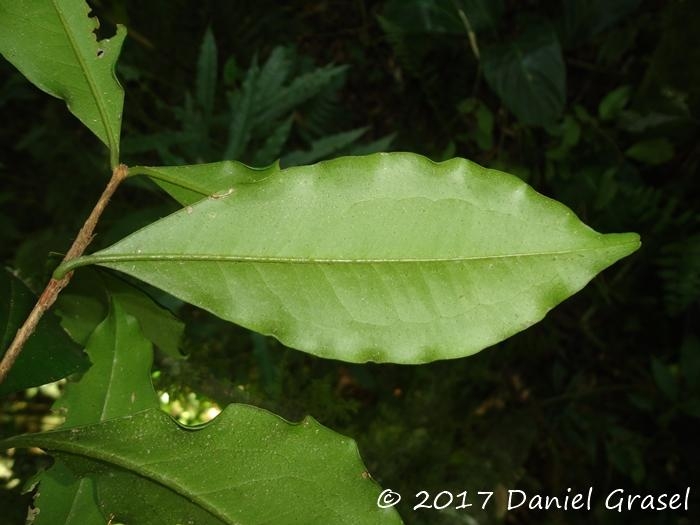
387,257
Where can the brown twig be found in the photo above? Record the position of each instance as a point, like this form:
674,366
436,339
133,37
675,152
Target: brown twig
50,293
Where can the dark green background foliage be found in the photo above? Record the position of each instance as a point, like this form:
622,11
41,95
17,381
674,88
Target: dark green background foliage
594,103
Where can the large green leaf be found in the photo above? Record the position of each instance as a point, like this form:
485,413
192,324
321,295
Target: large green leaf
246,467
48,355
118,384
53,44
529,75
388,257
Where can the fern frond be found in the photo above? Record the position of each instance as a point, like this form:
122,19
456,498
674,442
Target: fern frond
271,150
654,207
323,148
273,75
323,112
299,91
242,107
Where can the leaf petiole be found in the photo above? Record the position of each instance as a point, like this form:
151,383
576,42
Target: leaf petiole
55,285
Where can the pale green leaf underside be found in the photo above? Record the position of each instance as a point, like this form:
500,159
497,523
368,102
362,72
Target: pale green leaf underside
53,44
388,257
247,467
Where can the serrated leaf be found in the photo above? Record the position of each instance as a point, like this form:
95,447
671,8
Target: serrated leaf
388,257
53,44
189,184
48,355
118,384
246,467
528,74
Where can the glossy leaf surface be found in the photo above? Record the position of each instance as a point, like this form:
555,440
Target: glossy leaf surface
53,44
388,257
48,355
246,467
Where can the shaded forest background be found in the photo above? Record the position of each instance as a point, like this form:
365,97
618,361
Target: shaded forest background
594,103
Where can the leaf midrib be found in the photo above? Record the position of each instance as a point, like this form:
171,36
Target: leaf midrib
131,467
88,76
112,372
99,258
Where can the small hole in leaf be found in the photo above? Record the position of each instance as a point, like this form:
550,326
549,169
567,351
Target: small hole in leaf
100,53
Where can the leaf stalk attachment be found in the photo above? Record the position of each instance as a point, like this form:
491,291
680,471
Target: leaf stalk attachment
55,285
